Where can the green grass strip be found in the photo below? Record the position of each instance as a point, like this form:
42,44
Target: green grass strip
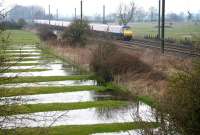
22,55
33,108
47,90
22,64
29,59
83,129
5,80
22,37
12,47
24,51
147,100
24,70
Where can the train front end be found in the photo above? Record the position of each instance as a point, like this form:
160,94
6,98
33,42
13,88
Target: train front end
127,33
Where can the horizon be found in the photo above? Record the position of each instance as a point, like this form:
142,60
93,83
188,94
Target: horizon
94,7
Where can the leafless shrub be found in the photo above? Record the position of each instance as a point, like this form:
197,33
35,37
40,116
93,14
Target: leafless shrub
108,62
46,33
77,33
126,13
182,96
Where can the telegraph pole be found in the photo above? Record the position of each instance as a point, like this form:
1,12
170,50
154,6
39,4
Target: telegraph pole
104,9
32,13
75,13
49,14
163,27
57,14
81,10
159,6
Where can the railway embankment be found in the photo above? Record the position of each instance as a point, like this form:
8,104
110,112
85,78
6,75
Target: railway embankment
142,72
138,72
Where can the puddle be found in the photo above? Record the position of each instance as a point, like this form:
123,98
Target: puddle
24,61
130,132
47,61
32,57
88,116
67,97
65,72
44,66
30,53
51,83
28,47
52,69
26,50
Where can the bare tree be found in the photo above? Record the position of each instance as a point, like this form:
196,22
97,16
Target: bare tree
153,11
126,13
189,17
140,15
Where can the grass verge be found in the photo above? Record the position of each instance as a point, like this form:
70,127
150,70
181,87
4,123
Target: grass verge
50,51
5,80
22,55
22,37
147,100
23,51
84,129
24,70
48,90
21,64
33,108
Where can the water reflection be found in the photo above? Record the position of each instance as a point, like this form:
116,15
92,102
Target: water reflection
29,53
26,50
131,132
28,57
44,66
51,84
35,61
80,117
65,72
67,97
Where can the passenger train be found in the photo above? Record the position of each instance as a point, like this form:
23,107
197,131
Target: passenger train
122,32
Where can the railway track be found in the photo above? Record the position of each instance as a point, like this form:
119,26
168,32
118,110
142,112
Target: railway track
169,47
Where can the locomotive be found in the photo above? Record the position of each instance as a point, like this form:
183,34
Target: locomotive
117,31
120,32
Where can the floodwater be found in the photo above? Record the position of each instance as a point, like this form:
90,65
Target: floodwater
29,53
130,132
131,113
24,62
50,66
67,97
65,72
31,57
51,83
27,50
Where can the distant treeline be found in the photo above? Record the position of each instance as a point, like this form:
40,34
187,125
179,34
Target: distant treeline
13,24
140,15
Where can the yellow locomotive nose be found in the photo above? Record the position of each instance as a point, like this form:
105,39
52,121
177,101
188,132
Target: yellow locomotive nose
128,34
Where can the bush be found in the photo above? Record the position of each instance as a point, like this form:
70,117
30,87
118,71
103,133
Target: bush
77,33
46,33
109,62
21,22
9,25
182,101
196,41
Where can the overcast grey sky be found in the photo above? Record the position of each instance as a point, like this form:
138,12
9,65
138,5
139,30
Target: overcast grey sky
91,7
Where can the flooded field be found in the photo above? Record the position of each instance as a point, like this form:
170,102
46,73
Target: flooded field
82,116
133,111
67,97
